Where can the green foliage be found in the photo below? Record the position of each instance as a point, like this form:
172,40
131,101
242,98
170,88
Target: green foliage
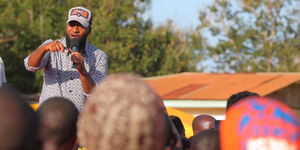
25,25
253,35
132,44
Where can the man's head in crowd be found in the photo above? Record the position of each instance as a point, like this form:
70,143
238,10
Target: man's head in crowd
18,123
206,140
237,97
171,136
203,122
178,124
122,113
260,123
58,118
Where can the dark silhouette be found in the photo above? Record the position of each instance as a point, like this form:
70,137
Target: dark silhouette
237,97
180,128
58,118
18,123
205,140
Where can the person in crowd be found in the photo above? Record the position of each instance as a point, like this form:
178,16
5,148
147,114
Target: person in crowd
237,97
260,123
180,128
72,66
203,122
58,118
19,122
206,140
178,124
171,136
123,113
2,73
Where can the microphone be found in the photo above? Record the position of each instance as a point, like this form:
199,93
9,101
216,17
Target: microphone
74,44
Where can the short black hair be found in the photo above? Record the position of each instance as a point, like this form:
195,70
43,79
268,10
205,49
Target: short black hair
58,119
178,124
237,97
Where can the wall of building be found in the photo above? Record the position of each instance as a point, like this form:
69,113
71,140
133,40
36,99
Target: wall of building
289,95
218,113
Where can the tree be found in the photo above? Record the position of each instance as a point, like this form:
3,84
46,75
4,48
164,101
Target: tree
132,43
252,35
25,25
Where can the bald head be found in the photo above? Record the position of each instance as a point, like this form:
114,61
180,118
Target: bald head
203,122
18,123
122,113
58,118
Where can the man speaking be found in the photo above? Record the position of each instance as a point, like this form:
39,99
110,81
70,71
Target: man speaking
72,66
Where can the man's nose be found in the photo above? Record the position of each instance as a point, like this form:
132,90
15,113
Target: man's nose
76,29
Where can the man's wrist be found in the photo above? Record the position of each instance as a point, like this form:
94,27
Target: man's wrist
83,73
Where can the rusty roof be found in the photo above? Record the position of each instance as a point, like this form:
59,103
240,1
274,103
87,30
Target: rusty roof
218,86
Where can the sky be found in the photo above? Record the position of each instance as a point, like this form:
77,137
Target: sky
184,13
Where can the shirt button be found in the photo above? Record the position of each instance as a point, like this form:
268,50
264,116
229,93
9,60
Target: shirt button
70,91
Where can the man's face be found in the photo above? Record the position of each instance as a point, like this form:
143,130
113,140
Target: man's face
75,30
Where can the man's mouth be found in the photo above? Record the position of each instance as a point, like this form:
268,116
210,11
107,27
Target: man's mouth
74,36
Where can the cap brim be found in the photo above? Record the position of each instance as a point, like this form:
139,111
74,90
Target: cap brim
83,22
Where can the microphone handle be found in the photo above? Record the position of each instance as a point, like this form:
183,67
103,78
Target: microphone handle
74,65
74,49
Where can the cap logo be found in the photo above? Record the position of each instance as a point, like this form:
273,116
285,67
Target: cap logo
79,12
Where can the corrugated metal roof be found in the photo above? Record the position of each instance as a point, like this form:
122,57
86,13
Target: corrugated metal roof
218,86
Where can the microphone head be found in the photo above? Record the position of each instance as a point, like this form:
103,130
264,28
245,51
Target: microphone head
74,43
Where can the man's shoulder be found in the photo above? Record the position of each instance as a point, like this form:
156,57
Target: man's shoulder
50,40
94,49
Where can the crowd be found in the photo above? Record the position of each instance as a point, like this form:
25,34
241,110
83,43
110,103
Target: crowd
125,113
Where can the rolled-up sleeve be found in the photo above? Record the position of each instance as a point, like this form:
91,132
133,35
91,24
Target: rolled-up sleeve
43,63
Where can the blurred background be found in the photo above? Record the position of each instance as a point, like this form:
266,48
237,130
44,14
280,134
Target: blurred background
156,38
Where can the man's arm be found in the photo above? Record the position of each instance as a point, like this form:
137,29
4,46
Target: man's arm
35,57
87,82
85,78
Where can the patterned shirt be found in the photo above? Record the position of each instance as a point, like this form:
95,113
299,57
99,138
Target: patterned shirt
61,79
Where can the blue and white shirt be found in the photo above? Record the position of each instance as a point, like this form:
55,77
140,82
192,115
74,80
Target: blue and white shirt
61,79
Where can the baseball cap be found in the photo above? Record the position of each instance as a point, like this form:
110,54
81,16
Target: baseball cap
260,123
81,15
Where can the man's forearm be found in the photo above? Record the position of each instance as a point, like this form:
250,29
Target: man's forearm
35,57
87,82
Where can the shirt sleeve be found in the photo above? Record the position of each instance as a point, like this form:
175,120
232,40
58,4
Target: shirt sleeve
43,63
101,69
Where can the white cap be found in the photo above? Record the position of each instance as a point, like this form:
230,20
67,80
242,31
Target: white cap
81,15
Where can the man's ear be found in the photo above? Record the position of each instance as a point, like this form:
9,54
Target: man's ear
89,30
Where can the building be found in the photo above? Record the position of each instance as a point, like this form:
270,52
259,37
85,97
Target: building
204,93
